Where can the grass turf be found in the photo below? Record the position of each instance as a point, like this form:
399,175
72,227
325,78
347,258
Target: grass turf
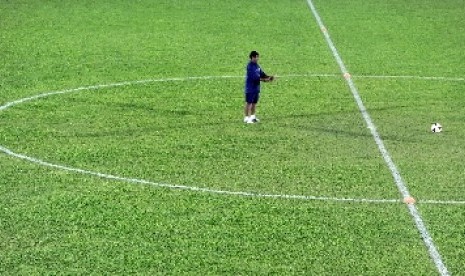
312,140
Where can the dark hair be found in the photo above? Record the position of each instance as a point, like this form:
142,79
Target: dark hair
253,54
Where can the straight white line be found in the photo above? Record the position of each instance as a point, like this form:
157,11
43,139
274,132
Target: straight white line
433,251
454,79
310,75
449,202
411,77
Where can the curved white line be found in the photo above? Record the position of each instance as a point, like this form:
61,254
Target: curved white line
124,83
191,188
182,187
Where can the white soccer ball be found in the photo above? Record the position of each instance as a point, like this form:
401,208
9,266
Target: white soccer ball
436,128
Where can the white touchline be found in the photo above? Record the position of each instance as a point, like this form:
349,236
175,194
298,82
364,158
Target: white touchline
433,251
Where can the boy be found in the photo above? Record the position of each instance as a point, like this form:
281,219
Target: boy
252,87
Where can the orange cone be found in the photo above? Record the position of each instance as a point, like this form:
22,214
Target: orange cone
409,200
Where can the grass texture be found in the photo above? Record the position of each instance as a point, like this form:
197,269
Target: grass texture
155,123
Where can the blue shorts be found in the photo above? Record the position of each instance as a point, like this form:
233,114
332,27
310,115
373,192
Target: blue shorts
252,98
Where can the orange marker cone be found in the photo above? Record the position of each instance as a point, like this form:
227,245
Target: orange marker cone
409,200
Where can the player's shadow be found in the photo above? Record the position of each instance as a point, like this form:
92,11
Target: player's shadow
367,134
289,121
357,131
134,129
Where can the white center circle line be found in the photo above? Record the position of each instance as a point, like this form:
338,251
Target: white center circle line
175,186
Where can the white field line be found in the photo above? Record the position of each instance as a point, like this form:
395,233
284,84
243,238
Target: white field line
125,83
100,86
433,251
183,187
191,188
208,190
431,78
412,77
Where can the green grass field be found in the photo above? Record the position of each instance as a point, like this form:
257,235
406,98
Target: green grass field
171,115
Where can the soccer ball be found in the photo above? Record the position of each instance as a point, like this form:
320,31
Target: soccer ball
436,127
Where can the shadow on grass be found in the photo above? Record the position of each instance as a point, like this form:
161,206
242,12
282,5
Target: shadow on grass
358,130
202,120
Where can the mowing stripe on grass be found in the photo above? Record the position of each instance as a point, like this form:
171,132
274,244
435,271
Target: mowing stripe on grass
433,251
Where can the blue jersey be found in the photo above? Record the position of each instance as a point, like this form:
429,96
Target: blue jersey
252,78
